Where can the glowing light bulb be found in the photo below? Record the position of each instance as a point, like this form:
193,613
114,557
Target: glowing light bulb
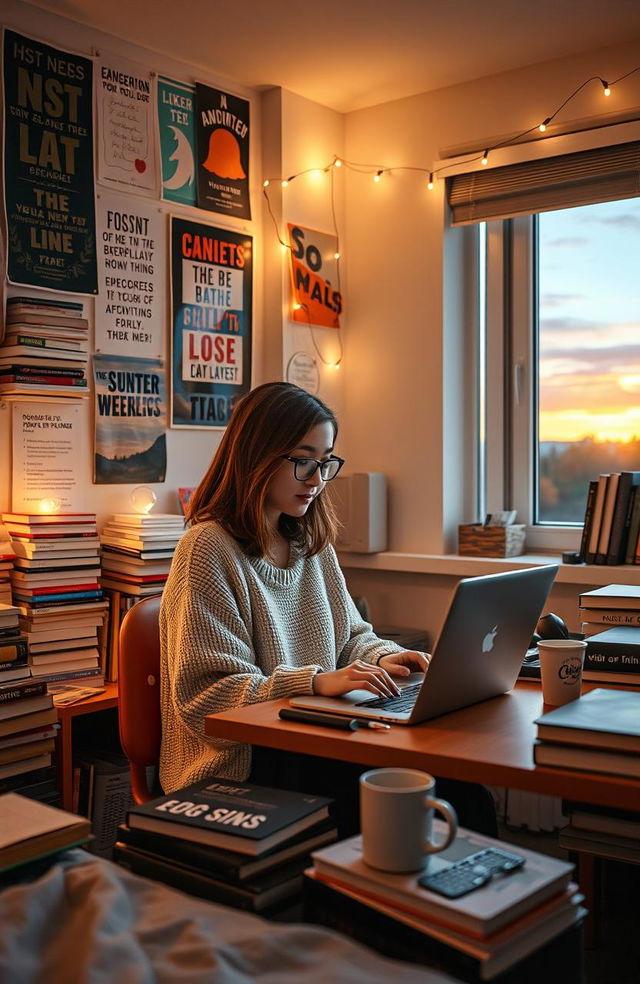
377,176
607,90
337,162
284,183
336,256
284,247
336,366
430,182
266,183
485,158
143,499
542,127
50,505
297,306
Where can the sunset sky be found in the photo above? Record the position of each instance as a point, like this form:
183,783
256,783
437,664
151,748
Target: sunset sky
590,322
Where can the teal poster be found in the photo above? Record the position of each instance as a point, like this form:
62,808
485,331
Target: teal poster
176,127
48,166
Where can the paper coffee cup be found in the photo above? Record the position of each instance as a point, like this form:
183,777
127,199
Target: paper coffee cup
561,662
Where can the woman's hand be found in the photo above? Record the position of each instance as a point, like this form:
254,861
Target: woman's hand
357,676
404,663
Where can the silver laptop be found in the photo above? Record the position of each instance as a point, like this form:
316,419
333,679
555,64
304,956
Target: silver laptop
478,653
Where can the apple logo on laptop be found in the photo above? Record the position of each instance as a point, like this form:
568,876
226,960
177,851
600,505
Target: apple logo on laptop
489,639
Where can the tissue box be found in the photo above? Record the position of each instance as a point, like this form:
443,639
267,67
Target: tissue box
476,540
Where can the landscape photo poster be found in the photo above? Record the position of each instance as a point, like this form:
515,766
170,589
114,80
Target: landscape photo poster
317,298
222,142
125,95
130,415
130,310
48,166
211,305
177,140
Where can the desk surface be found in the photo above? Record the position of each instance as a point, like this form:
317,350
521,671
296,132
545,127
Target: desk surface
491,742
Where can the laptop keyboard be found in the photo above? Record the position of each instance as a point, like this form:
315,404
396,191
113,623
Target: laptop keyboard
403,702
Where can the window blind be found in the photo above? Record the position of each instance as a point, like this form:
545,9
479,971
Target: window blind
600,175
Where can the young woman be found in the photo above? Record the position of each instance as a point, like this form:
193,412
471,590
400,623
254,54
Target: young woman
256,606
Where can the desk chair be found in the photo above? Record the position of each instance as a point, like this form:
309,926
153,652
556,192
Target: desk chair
139,692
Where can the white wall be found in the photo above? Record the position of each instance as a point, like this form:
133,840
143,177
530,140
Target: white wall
188,452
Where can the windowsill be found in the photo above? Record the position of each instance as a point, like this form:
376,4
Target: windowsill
453,564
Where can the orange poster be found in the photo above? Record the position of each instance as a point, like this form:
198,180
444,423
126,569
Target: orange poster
315,280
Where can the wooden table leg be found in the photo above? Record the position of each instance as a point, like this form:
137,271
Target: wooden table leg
64,748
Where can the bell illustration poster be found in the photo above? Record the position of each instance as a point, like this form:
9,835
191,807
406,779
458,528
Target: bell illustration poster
222,146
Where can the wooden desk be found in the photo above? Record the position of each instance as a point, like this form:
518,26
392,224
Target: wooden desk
491,743
64,741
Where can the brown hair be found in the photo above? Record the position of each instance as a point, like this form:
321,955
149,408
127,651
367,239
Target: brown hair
268,422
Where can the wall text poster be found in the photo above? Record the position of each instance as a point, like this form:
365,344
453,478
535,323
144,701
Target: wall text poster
131,417
130,311
314,277
222,141
211,303
48,166
177,133
49,447
126,145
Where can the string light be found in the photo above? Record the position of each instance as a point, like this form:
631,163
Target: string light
285,183
337,162
266,183
545,123
336,256
430,181
606,88
377,176
485,158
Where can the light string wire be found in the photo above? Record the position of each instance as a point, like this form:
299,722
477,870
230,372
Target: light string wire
379,169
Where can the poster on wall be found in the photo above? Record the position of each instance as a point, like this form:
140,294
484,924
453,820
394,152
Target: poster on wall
49,448
177,140
131,418
222,142
48,166
131,306
317,299
125,96
211,304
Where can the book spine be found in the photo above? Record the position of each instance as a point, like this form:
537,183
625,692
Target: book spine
588,519
13,652
93,671
612,657
597,518
32,370
611,616
67,596
622,516
607,517
12,694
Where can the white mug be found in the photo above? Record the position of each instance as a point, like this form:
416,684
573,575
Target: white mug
396,815
561,662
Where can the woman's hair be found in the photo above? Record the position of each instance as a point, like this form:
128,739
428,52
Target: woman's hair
270,421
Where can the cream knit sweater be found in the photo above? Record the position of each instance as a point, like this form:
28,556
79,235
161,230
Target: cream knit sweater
236,630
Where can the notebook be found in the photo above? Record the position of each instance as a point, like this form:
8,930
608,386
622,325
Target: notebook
477,655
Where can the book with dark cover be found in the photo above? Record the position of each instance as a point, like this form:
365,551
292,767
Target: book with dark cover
616,649
14,708
261,895
621,517
598,505
229,866
608,719
607,518
242,817
634,527
588,519
612,596
9,693
13,650
392,937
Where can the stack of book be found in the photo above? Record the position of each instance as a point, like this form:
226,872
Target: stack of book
28,724
45,348
613,606
612,519
136,558
137,551
599,732
55,585
14,651
602,830
515,918
7,556
30,831
237,843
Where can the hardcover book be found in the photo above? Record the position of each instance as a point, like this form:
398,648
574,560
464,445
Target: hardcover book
478,914
30,830
574,757
242,817
602,718
616,649
625,596
13,708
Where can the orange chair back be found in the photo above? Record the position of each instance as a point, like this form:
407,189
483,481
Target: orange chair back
139,692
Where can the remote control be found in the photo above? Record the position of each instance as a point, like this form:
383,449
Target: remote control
471,872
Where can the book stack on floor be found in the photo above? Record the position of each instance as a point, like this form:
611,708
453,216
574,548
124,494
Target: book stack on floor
614,658
28,726
7,557
30,831
136,558
513,928
602,830
45,348
612,519
55,585
236,843
14,651
599,732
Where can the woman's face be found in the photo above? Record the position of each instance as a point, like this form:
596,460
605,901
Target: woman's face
285,493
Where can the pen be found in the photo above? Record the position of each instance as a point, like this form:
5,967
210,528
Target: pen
330,720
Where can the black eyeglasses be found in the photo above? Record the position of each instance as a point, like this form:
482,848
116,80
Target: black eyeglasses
304,468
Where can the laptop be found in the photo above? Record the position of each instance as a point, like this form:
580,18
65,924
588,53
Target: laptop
477,655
